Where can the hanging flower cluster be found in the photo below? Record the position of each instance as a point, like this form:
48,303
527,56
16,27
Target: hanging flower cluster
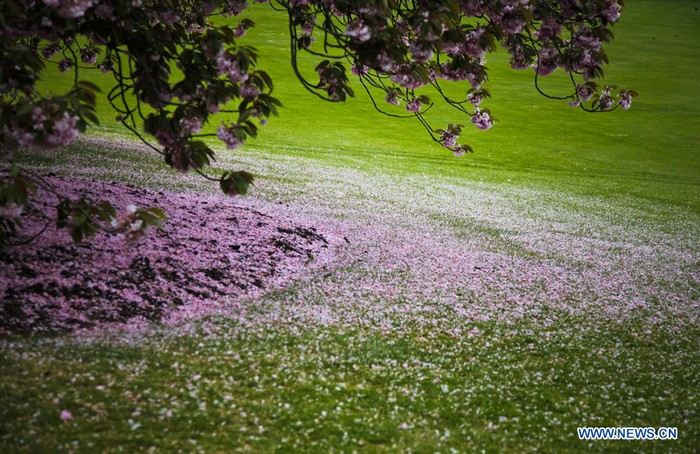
396,49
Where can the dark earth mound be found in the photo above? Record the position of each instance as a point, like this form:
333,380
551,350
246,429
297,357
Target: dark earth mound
211,249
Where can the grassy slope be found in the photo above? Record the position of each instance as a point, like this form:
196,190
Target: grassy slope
514,388
651,149
649,153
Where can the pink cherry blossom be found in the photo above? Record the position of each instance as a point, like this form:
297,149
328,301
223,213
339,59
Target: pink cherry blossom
481,119
625,100
358,31
226,133
413,106
63,131
612,12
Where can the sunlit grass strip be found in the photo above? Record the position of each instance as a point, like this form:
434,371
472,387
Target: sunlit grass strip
225,387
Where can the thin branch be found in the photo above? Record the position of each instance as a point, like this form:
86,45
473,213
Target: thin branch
376,107
31,238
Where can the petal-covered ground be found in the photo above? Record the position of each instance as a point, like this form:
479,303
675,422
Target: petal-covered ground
211,251
453,253
443,313
355,248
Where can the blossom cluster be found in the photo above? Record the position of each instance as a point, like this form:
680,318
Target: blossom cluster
227,134
449,136
42,127
482,119
333,80
80,35
400,48
134,223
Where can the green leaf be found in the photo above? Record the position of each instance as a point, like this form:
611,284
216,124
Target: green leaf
236,183
158,212
106,211
62,211
91,117
266,78
149,219
15,171
76,234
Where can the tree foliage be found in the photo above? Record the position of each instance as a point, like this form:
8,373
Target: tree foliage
177,66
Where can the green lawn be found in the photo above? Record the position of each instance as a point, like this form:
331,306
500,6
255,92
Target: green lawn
372,354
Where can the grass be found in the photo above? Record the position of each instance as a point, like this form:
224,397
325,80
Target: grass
361,357
230,389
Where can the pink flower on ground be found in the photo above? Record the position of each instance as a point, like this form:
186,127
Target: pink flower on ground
66,415
13,211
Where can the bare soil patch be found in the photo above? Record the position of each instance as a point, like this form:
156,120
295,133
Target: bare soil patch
212,249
